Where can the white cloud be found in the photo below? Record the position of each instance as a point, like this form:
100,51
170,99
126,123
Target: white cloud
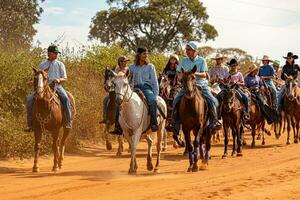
54,11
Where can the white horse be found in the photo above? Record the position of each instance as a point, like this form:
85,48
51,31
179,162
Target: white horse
135,119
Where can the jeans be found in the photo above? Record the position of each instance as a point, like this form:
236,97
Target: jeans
65,103
151,97
105,107
280,97
270,84
244,99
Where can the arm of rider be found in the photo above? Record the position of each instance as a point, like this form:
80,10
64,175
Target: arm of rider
267,77
60,80
202,75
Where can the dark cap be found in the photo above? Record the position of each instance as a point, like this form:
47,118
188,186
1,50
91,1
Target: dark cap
233,62
123,59
53,49
141,50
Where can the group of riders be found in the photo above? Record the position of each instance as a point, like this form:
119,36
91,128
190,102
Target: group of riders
268,77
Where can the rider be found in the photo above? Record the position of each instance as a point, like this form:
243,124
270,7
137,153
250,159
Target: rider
289,69
237,77
121,67
266,73
145,79
277,76
219,71
56,75
187,64
170,69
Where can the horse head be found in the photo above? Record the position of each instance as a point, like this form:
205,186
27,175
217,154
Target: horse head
228,95
121,83
164,86
290,88
40,82
108,75
189,82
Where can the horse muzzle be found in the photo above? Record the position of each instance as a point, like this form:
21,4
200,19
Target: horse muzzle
119,100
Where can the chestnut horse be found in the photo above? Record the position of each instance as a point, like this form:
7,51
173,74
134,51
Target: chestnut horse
193,117
291,107
48,114
231,112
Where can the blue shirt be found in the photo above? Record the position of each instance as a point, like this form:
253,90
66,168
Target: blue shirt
187,64
57,69
223,73
252,82
145,74
266,70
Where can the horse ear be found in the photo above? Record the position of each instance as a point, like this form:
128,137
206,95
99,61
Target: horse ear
34,70
46,70
194,69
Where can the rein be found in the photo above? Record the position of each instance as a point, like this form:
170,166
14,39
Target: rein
124,95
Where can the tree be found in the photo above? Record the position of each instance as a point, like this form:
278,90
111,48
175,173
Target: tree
160,25
16,22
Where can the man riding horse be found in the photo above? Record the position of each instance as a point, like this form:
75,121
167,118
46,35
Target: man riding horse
289,69
56,75
202,76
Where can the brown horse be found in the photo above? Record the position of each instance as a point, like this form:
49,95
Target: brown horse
48,115
291,106
231,112
193,116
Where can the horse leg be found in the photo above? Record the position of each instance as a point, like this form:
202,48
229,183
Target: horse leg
204,165
201,149
253,127
196,149
234,133
225,127
55,144
189,146
62,147
294,130
161,134
239,139
149,154
164,144
288,129
133,140
120,148
107,142
37,148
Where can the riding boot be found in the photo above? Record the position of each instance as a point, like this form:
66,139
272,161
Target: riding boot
214,124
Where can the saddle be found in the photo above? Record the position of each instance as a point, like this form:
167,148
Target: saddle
145,101
56,99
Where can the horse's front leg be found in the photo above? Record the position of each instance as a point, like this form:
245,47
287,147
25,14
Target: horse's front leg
106,133
295,131
288,129
62,147
197,134
55,144
37,148
133,141
234,133
239,139
149,153
225,127
189,146
253,127
161,134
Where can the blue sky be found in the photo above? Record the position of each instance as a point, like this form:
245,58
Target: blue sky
258,26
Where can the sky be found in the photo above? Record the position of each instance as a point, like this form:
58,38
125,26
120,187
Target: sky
260,27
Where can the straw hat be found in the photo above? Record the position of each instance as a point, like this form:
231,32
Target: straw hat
266,58
252,68
219,56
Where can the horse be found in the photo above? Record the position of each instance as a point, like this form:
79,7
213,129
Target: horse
135,119
109,119
193,116
291,106
48,114
231,112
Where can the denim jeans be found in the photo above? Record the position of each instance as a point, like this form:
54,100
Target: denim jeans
280,96
244,98
65,103
150,96
270,84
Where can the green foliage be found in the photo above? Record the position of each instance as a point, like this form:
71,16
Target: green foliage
16,22
160,25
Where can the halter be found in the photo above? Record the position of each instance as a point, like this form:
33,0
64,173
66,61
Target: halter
125,94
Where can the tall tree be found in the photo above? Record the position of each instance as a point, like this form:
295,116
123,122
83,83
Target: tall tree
16,22
160,25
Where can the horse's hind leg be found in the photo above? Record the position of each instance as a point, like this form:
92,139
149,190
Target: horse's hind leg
149,154
239,136
295,130
55,143
37,148
121,147
161,133
62,147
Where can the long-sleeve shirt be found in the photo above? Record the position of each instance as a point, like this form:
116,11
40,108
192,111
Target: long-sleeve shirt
145,74
222,73
290,70
56,68
187,64
252,82
238,77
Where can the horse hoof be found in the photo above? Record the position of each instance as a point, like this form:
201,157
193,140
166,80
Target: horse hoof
164,149
288,142
35,169
150,167
132,172
204,167
239,154
190,169
119,153
55,169
263,143
195,168
244,143
156,170
258,137
224,156
233,154
252,145
296,141
108,146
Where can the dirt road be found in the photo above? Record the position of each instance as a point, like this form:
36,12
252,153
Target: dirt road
266,172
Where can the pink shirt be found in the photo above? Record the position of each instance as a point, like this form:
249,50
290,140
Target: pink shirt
237,77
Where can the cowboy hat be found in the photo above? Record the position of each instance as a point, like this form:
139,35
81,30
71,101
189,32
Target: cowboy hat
233,62
276,63
290,54
219,56
266,58
123,59
252,68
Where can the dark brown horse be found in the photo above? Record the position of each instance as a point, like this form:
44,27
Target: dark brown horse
48,115
231,112
291,107
193,116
